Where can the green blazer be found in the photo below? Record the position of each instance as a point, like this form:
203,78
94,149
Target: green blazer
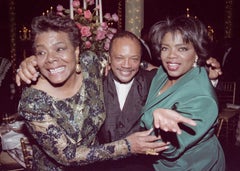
193,96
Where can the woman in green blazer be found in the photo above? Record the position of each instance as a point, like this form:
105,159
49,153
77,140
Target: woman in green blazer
182,84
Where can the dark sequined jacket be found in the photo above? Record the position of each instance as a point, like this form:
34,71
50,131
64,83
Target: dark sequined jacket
65,130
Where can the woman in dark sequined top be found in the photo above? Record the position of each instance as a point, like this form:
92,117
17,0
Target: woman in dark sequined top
64,109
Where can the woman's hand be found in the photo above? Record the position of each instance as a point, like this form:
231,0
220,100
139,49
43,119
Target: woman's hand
27,71
168,120
144,143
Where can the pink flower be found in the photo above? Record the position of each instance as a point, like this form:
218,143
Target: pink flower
88,14
97,7
76,3
107,16
90,2
79,11
88,44
79,25
60,8
112,30
110,36
86,31
104,25
95,36
101,34
115,17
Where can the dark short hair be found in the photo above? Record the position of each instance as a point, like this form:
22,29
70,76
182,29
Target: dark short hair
56,23
191,29
125,34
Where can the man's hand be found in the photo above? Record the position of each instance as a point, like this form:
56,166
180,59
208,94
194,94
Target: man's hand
145,143
214,68
168,120
27,71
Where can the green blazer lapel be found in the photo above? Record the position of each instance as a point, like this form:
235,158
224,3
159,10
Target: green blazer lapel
159,80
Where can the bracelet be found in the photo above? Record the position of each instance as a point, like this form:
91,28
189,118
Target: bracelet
128,144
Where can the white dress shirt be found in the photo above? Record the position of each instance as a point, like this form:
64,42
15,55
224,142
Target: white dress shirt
122,91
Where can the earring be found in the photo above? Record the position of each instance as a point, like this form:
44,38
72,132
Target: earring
78,68
195,62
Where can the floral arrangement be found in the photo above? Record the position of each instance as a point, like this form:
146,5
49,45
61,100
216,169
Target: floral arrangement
95,34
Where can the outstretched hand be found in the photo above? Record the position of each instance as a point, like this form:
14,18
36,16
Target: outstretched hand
27,71
168,120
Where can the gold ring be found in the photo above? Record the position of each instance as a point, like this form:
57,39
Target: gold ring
151,152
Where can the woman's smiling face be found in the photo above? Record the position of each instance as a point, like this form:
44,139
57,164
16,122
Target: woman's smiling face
177,56
56,56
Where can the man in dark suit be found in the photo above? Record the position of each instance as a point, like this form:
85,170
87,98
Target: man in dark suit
125,90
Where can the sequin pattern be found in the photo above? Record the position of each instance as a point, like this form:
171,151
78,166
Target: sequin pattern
65,130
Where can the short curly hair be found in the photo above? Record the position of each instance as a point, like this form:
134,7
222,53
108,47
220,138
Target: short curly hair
56,23
191,29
